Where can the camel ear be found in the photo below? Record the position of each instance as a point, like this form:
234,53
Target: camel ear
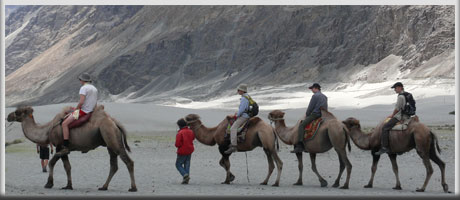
29,110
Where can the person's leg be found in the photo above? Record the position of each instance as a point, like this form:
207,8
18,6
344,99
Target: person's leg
187,169
233,134
299,148
180,165
65,133
385,136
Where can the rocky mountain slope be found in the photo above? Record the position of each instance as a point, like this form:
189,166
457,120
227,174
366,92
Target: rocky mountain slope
197,53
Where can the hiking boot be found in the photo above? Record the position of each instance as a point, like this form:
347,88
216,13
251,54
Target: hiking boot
382,151
186,179
298,148
231,149
64,151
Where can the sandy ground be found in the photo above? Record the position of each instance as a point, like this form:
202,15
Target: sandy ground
151,137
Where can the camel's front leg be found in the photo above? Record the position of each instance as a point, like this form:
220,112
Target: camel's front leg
313,167
395,170
113,168
375,161
225,163
51,164
67,167
299,159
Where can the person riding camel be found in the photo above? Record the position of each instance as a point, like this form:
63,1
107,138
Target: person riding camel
318,100
242,117
395,117
86,105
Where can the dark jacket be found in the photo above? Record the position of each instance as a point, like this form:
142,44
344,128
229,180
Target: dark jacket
317,101
184,141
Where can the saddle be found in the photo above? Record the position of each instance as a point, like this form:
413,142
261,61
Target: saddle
401,125
312,128
79,122
240,134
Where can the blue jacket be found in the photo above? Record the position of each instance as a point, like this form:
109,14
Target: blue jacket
244,107
317,100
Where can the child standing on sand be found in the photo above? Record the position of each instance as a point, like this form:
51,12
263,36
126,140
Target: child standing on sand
184,144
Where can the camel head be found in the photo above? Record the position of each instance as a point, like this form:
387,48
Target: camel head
20,114
351,122
192,118
276,115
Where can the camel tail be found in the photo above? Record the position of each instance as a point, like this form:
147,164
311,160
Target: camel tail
435,141
123,134
348,139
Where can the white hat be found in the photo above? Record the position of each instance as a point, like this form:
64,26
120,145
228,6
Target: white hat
243,87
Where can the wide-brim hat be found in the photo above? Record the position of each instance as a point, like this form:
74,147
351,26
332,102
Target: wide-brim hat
397,84
85,77
315,85
243,87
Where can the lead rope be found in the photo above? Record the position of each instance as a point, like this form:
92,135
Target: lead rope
247,168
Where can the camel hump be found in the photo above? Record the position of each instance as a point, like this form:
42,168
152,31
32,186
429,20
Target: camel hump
326,115
254,121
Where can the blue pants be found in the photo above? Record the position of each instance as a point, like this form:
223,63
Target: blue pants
183,164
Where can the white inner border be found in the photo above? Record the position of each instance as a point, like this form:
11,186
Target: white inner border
222,2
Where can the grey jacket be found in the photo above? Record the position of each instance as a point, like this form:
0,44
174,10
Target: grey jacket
317,101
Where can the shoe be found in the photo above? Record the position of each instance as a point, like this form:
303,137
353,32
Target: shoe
64,151
382,151
44,169
298,148
231,150
186,179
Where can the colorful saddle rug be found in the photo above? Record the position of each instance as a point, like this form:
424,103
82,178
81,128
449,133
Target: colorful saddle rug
312,128
241,133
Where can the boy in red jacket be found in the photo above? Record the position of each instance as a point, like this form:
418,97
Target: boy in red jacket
184,144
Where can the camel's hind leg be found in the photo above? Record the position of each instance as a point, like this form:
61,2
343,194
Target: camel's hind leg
341,169
375,161
113,168
299,159
130,164
67,167
225,163
313,167
51,164
395,170
279,166
422,143
442,167
271,166
342,153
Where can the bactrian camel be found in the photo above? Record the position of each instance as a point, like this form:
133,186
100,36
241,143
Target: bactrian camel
259,134
332,133
100,130
417,136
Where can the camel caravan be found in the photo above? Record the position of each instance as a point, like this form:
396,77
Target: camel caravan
88,126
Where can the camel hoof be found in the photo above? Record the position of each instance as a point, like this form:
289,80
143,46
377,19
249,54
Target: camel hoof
324,183
67,188
446,188
225,182
263,183
420,190
276,185
232,177
397,188
49,185
102,188
344,187
298,183
368,186
133,190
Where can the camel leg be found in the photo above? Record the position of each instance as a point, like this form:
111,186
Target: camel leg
225,163
395,170
299,158
130,164
113,168
429,171
51,164
375,161
341,169
313,167
343,155
279,166
271,166
442,166
67,167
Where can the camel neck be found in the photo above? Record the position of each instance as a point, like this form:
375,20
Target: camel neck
35,133
203,134
284,133
360,138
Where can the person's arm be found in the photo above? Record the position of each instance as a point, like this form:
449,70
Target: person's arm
394,113
311,105
243,106
51,146
399,104
82,100
178,140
